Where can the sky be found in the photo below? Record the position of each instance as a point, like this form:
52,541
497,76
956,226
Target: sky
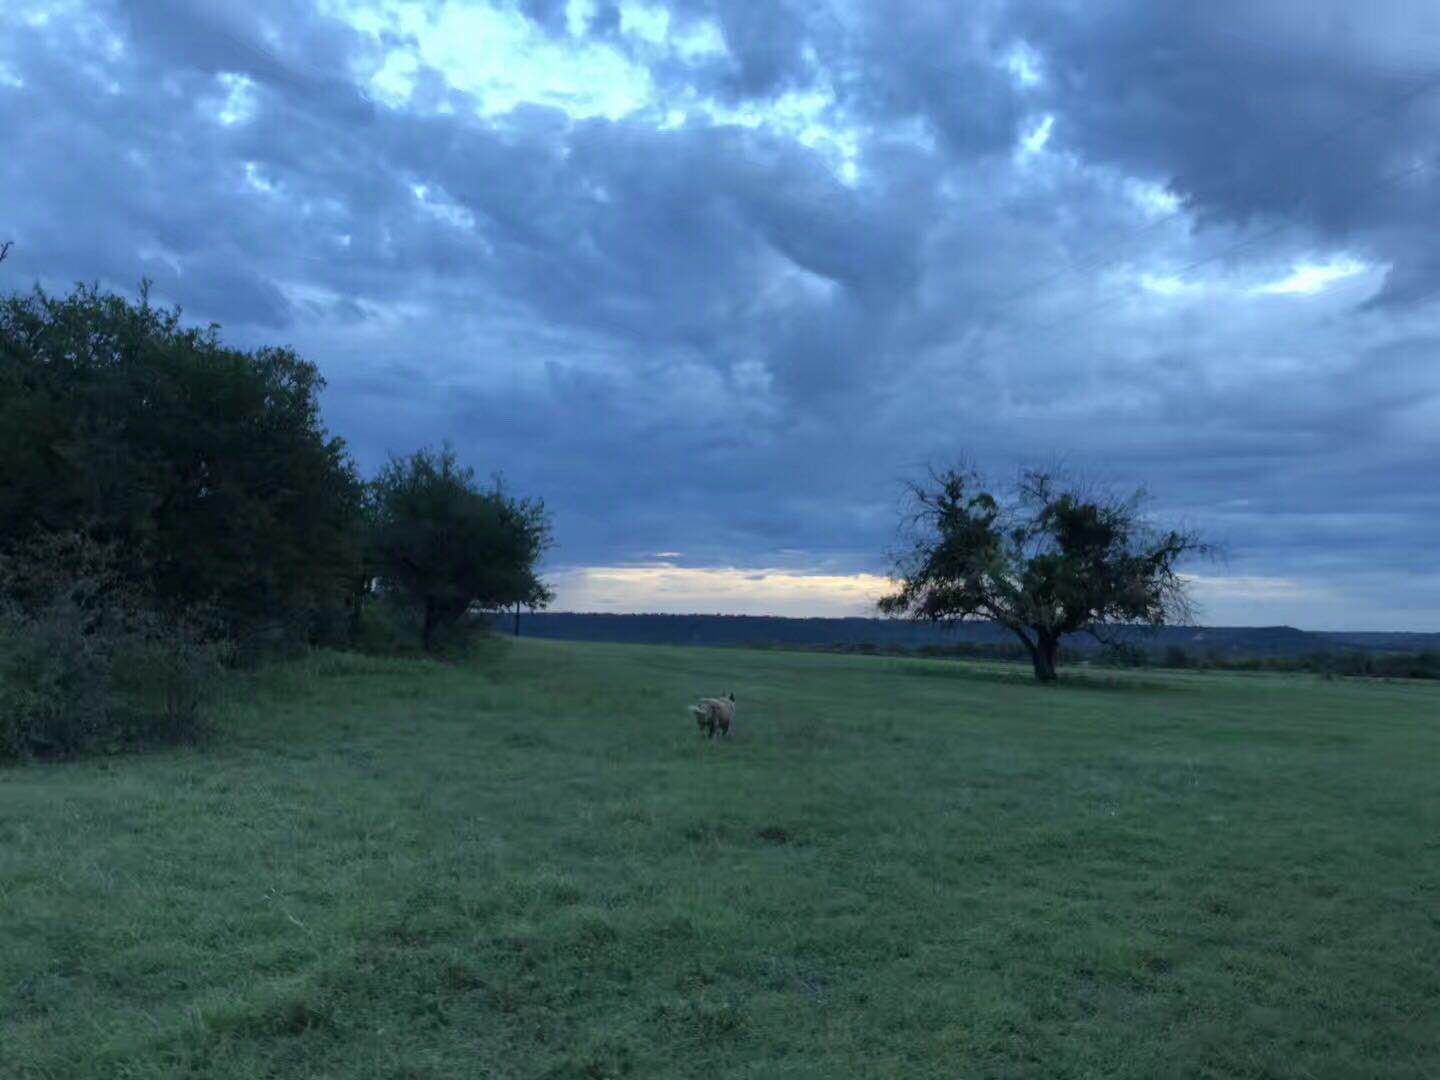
713,277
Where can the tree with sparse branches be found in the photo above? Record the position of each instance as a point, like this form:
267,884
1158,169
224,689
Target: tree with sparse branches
442,543
1051,560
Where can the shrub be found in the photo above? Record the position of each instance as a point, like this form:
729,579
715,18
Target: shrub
1425,665
162,680
84,668
1176,657
1124,654
53,682
388,625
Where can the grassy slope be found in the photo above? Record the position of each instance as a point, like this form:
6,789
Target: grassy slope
896,868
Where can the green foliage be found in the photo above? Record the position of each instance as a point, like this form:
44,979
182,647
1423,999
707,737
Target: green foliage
389,625
54,681
1124,654
1046,563
206,466
83,672
1176,657
1355,663
443,546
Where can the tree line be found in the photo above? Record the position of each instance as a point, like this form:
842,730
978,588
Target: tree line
149,468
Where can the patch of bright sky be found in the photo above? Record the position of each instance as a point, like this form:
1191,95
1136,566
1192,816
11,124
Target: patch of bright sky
8,76
730,591
691,40
1024,64
239,105
440,207
40,16
255,180
1259,600
1240,600
802,116
1168,285
504,59
1246,587
1033,141
1155,200
1305,279
1243,600
307,293
1313,277
157,253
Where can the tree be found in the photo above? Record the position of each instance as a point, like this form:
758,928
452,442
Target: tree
444,544
1046,563
205,465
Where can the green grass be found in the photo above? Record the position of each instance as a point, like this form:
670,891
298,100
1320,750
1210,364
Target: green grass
533,867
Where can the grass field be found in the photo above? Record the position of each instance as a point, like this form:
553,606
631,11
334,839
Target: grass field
533,867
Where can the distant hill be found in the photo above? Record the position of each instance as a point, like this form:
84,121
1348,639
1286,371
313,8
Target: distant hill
733,630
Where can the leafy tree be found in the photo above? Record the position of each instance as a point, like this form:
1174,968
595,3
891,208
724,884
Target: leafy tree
207,466
444,544
1046,563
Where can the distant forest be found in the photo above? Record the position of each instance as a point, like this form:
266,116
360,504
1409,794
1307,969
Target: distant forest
1197,644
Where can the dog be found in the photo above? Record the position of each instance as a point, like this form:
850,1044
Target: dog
714,714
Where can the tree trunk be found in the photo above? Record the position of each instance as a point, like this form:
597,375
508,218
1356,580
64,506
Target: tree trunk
1042,650
1043,656
432,617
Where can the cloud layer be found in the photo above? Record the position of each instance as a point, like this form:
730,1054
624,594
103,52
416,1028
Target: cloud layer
711,276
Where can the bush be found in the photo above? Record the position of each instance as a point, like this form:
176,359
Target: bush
161,682
1124,654
278,639
387,627
66,689
53,682
1176,657
1425,665
84,670
390,626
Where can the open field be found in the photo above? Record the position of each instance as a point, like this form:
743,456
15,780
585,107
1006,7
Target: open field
533,867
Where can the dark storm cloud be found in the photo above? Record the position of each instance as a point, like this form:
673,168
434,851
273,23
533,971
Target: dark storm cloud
1321,112
702,338
283,45
766,44
768,48
920,62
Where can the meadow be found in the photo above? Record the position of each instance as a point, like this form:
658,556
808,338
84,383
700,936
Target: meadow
530,865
